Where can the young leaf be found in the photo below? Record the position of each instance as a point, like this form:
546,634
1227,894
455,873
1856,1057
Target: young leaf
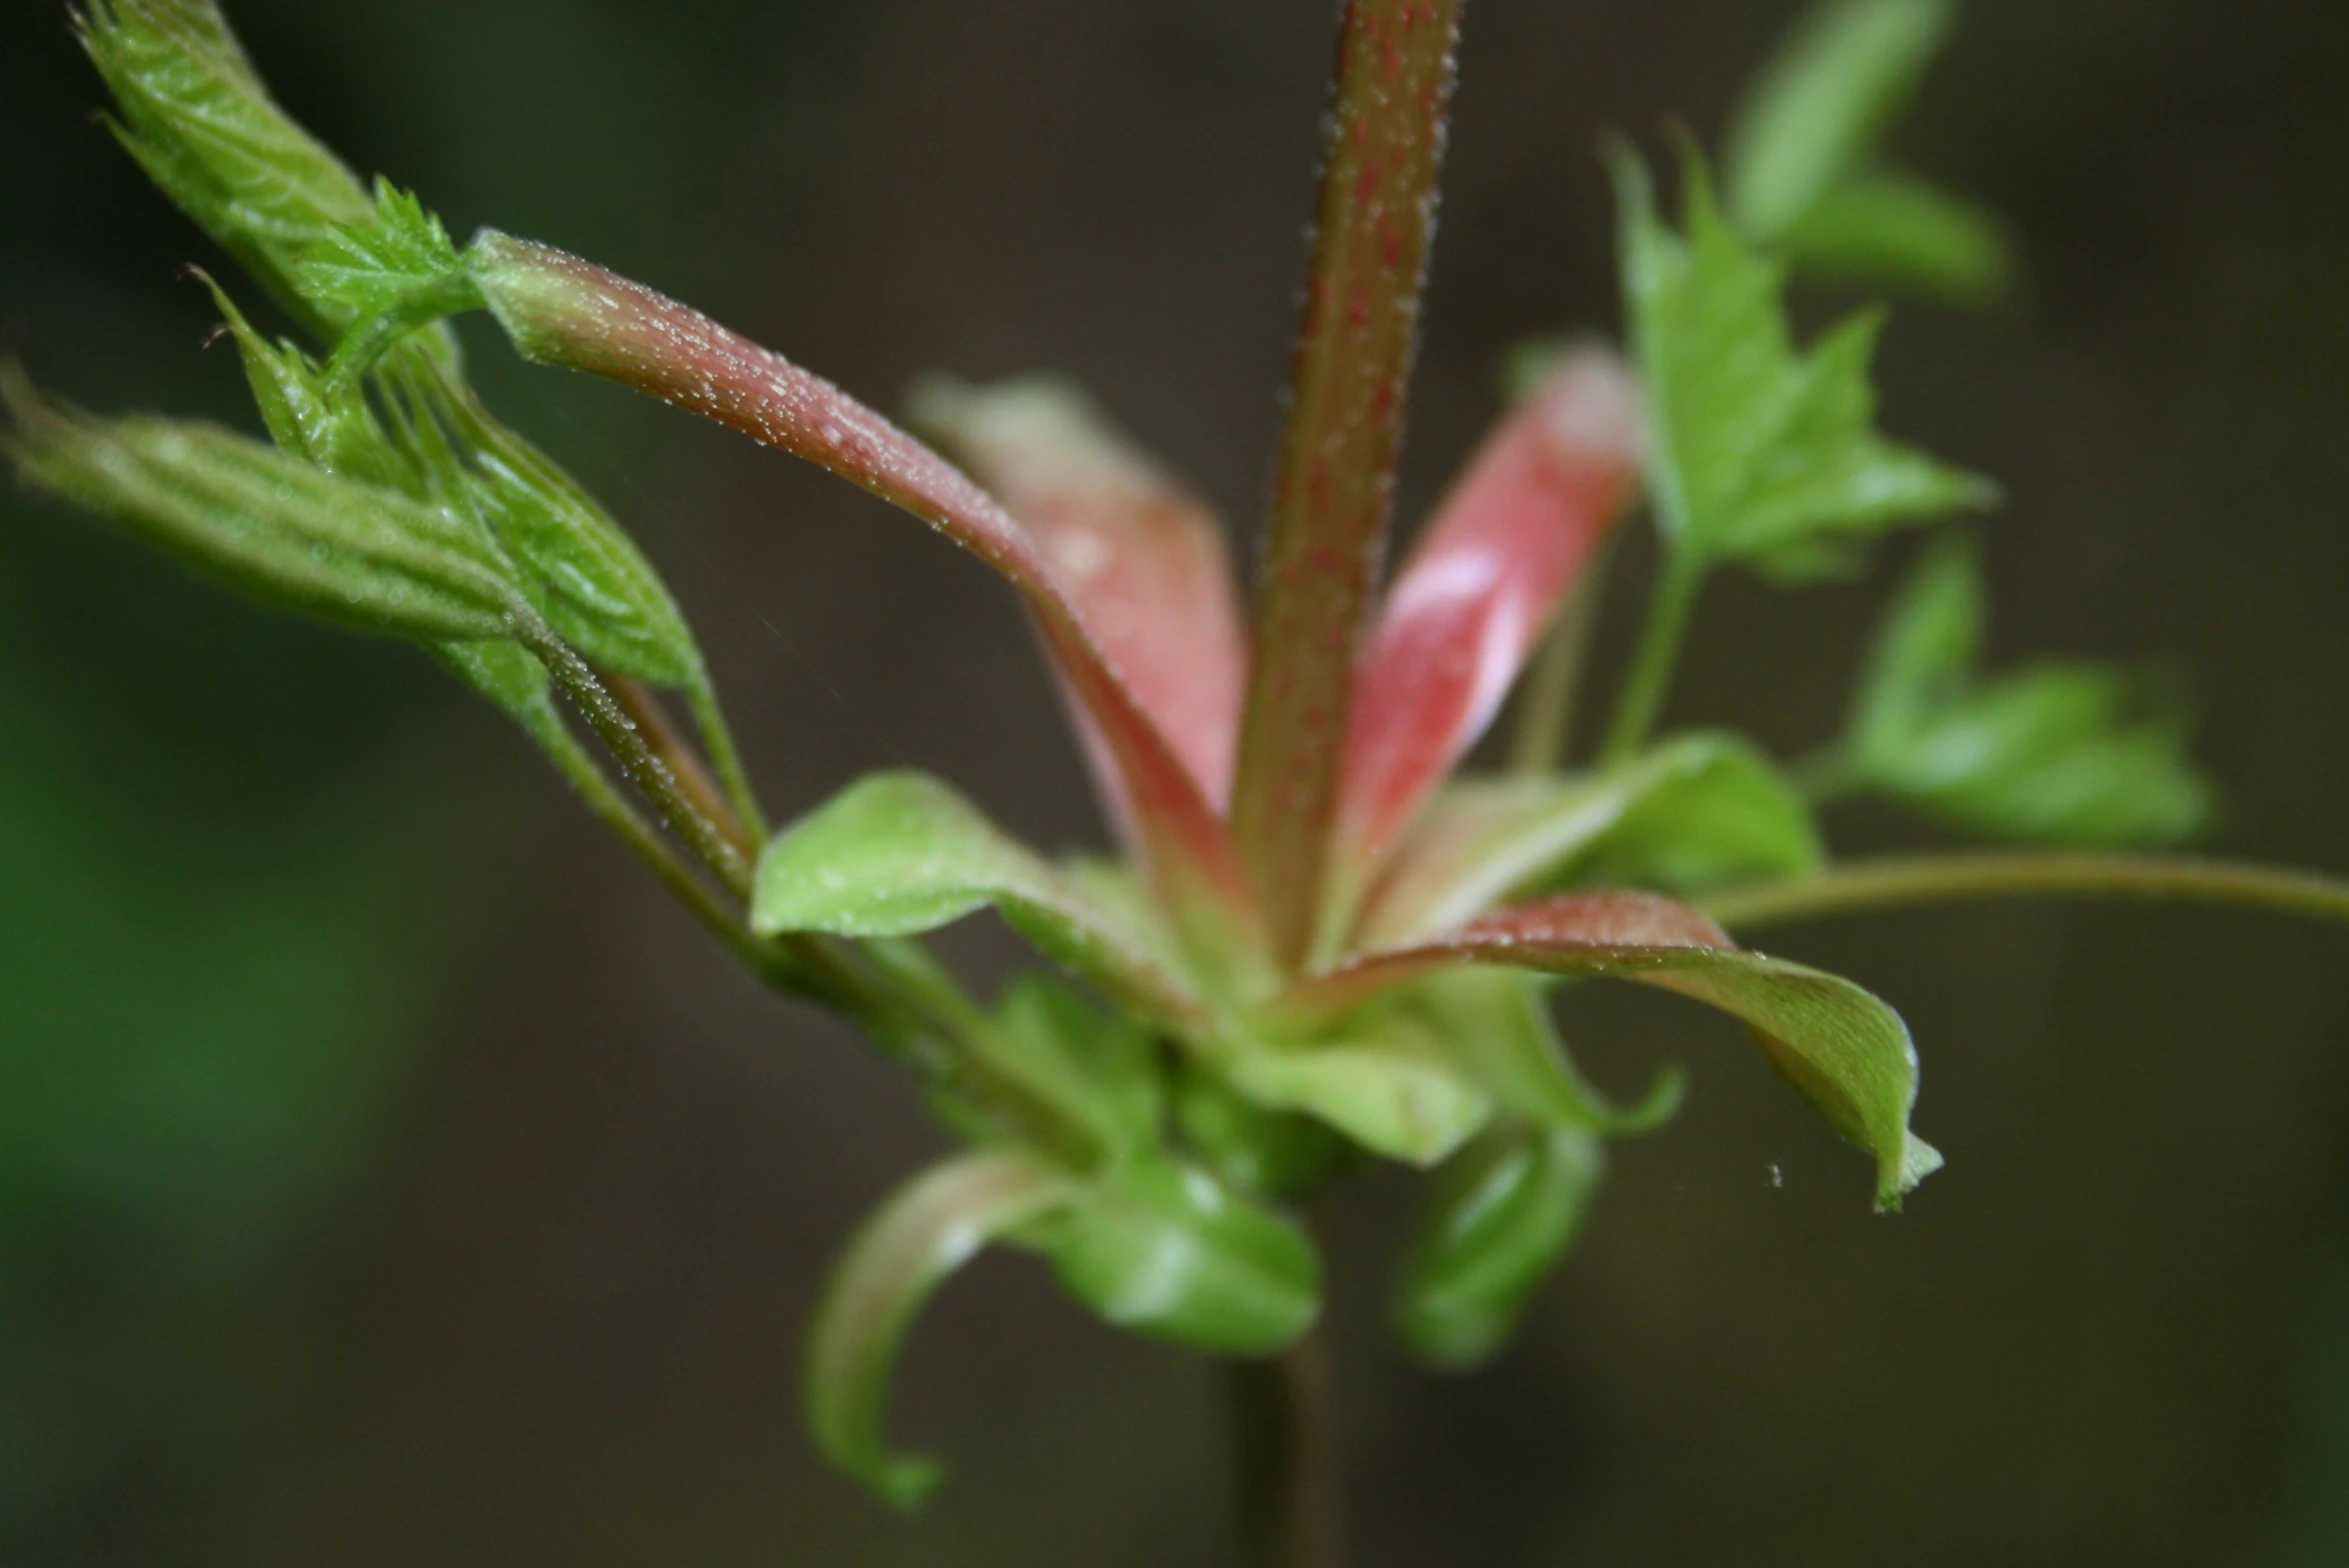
1697,811
197,118
1384,1078
333,428
926,1231
1144,559
560,310
1496,1219
1098,1070
1760,455
1271,1154
2042,754
896,854
351,552
371,266
585,575
1166,1250
1334,486
1474,599
1844,1051
1816,112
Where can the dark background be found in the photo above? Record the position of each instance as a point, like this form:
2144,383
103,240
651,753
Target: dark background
387,1175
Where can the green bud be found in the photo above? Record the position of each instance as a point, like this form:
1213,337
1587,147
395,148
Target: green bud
339,548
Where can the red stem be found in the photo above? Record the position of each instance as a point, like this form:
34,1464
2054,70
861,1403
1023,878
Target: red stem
1333,493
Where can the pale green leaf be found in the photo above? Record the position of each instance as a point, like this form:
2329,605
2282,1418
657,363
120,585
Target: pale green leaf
583,572
900,853
1759,454
331,427
926,1231
1496,1219
199,121
1384,1078
1816,112
2048,753
1167,1250
1697,811
354,553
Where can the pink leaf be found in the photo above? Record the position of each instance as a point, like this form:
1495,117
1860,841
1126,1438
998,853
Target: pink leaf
1467,610
1142,558
563,311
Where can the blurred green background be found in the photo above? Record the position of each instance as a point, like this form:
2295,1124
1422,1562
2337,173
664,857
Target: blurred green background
388,1177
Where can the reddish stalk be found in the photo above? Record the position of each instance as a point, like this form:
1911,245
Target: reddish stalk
1333,491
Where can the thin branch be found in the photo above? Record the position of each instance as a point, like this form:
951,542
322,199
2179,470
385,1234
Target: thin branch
1544,724
668,743
1334,489
1642,699
1896,882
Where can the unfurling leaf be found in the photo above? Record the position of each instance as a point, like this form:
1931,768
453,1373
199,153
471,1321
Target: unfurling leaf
1698,811
1816,112
1844,1051
389,276
1497,1218
2044,754
355,553
1165,1249
897,854
930,1228
1758,454
583,572
199,121
332,427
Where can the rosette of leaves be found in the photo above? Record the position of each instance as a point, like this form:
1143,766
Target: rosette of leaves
1320,942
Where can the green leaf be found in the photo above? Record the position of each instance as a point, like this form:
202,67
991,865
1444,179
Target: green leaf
584,574
2043,754
1097,1069
900,853
1842,1049
1760,455
1893,229
331,427
1698,811
1816,112
1495,1023
1498,1217
1384,1078
354,553
926,1231
1272,1154
1167,1250
196,117
386,276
